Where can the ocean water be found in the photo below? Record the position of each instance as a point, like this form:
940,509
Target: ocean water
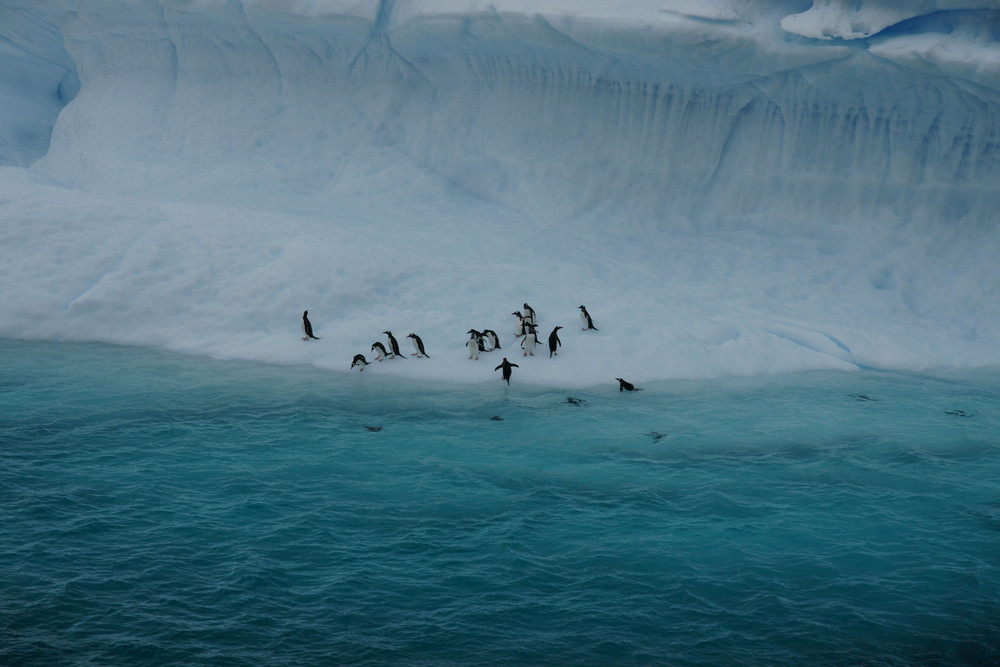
159,509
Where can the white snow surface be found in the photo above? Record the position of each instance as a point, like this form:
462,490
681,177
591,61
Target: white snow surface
731,187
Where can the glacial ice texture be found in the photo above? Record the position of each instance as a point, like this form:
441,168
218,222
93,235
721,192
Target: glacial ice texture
730,187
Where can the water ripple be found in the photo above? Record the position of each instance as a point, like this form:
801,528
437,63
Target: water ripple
243,522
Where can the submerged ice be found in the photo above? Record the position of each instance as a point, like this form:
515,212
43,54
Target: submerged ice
730,187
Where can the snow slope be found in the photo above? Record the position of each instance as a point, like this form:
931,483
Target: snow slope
731,187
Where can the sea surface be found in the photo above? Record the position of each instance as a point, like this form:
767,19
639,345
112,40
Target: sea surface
158,509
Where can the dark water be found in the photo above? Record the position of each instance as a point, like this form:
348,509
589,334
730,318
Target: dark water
159,509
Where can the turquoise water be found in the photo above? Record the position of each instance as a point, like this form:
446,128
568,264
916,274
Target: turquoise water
159,509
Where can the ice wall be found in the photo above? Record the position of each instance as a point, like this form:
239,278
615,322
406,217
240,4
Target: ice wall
555,114
37,78
744,186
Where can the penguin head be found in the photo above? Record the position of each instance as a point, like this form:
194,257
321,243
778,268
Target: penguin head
583,308
557,329
304,313
387,333
410,336
517,312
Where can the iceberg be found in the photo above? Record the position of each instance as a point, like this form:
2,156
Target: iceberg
730,187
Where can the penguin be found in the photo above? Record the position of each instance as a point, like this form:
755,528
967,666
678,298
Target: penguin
418,345
307,327
529,313
519,324
506,366
474,344
478,335
379,350
492,337
554,342
624,385
585,321
359,360
393,346
530,340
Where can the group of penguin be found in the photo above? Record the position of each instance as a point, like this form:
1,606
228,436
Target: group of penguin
526,328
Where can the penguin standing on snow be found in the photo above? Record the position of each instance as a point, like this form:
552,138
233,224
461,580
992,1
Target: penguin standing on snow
506,366
418,345
625,385
529,314
585,321
379,350
359,360
554,342
307,327
494,340
393,346
478,335
474,344
530,340
520,324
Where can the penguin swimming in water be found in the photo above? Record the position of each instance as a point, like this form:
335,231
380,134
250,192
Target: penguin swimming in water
359,360
307,327
506,366
625,385
418,345
492,337
474,344
585,320
554,342
393,346
530,340
379,350
519,324
529,314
